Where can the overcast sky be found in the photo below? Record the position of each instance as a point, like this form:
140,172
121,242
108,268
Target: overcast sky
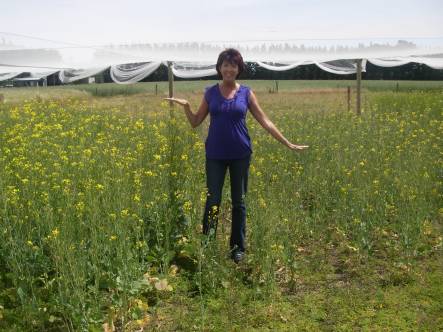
90,22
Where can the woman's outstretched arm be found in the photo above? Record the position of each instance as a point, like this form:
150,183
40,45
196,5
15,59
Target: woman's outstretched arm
195,119
267,124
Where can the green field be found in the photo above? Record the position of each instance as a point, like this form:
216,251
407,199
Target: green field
197,86
103,188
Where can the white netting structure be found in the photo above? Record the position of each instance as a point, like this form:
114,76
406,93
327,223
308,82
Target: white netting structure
435,62
132,72
8,76
36,77
339,67
131,63
192,69
44,74
72,75
283,67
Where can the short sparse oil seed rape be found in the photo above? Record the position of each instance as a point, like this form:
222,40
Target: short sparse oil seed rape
92,198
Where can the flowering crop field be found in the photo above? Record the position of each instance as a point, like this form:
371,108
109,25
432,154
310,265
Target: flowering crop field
102,201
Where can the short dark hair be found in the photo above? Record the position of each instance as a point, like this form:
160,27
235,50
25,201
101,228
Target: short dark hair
232,56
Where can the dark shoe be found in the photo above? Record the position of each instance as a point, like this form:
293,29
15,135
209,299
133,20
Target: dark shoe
237,255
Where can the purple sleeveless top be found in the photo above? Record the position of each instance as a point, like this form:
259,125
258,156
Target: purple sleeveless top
228,136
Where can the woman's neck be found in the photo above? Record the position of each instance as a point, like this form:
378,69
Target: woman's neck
229,84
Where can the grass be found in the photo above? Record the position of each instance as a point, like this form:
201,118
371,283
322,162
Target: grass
332,305
102,207
161,88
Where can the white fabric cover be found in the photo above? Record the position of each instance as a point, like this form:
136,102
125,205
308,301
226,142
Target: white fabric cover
132,72
341,67
8,76
435,62
35,75
283,67
69,76
28,79
21,69
193,69
44,74
389,62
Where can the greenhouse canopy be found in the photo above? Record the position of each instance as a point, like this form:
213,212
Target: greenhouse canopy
132,63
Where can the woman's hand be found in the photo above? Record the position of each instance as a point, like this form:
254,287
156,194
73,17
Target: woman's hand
179,101
194,119
296,147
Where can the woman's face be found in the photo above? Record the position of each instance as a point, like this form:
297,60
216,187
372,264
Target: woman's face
229,71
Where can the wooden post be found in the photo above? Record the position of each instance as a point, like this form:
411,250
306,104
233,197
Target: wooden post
349,98
358,110
156,89
171,82
276,86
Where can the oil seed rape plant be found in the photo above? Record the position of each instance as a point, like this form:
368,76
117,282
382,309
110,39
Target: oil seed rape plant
94,197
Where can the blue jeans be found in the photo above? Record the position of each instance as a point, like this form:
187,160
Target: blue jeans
215,178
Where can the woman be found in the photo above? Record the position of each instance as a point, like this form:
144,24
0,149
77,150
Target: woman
228,144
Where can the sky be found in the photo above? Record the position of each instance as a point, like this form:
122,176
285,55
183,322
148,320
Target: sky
99,22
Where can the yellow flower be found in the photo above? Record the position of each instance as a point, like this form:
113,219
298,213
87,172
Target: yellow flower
187,206
55,232
87,153
139,124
